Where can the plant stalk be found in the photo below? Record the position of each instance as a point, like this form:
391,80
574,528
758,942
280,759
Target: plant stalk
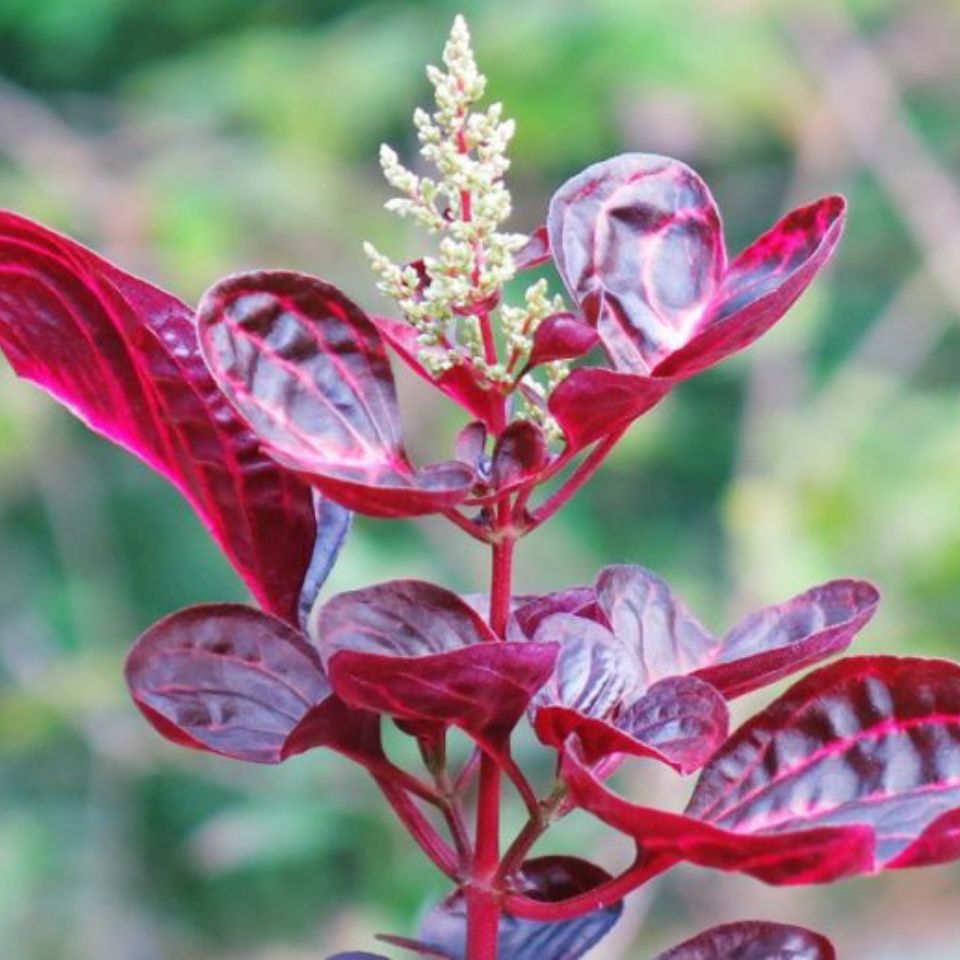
483,898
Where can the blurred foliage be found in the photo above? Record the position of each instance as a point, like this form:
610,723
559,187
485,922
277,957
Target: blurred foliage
188,140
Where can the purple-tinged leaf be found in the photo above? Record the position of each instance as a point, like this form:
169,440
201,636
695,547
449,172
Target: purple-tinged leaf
650,620
593,402
123,356
777,641
528,616
639,243
234,681
814,855
563,336
544,878
761,285
333,525
520,456
535,252
471,445
419,653
308,370
597,691
459,382
754,940
867,748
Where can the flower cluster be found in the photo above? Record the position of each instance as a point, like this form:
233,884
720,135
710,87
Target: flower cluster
272,407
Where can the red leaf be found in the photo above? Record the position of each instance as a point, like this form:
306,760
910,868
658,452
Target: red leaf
520,456
563,336
593,402
862,754
761,285
780,640
597,691
549,879
639,244
234,681
535,252
308,370
815,855
530,614
458,383
873,740
754,940
419,653
123,356
651,620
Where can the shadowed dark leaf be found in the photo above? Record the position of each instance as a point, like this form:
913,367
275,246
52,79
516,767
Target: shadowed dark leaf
520,455
333,525
754,940
123,356
544,878
234,681
308,370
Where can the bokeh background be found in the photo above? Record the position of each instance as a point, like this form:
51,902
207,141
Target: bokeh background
187,140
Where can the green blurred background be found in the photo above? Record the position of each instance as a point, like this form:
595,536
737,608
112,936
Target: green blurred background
190,139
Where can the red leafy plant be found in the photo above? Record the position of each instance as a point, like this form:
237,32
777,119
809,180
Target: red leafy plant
272,408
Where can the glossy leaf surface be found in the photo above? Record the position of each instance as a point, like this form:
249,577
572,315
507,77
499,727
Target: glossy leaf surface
639,244
123,356
598,692
544,878
333,525
646,615
865,752
308,370
420,653
234,681
754,940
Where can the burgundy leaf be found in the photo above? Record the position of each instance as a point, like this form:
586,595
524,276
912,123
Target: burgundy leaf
459,382
308,370
754,940
419,653
535,252
234,681
593,402
761,285
597,692
123,356
471,445
652,621
865,752
814,855
529,615
783,639
639,244
563,336
520,456
544,878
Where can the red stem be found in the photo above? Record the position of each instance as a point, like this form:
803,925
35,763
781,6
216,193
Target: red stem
584,471
419,827
483,899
